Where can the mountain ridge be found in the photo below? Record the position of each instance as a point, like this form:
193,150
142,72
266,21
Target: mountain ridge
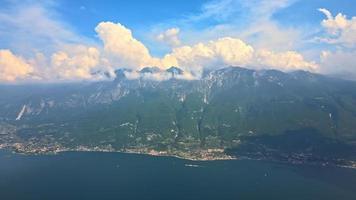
216,111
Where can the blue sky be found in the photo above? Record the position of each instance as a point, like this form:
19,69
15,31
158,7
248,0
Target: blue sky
197,34
137,14
141,15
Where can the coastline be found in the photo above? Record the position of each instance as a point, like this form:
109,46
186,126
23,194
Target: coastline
222,156
196,155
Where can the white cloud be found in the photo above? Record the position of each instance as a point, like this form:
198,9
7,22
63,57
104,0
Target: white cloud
253,21
49,45
213,54
12,67
339,63
122,48
268,34
70,56
170,37
71,63
333,25
234,52
77,62
29,27
284,61
264,31
340,30
263,10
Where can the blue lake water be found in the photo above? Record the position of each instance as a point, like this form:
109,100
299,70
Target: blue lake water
94,175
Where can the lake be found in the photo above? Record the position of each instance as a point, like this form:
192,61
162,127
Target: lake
95,175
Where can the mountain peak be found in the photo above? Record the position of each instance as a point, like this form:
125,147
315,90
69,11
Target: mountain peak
151,70
175,71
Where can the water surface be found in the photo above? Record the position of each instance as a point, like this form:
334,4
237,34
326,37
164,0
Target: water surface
94,175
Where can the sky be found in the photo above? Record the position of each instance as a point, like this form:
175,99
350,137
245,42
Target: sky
65,40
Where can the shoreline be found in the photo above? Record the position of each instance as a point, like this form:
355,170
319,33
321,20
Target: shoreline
152,155
150,152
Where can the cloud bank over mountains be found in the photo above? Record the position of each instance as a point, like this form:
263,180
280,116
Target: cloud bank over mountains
81,58
13,67
120,49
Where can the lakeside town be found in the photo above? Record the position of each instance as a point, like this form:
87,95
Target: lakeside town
194,155
208,154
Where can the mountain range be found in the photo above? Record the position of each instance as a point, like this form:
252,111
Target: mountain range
222,109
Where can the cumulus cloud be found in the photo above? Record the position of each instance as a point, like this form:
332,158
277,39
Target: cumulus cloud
77,62
51,50
229,51
340,29
49,46
170,37
122,48
13,67
71,63
341,32
224,51
285,61
333,24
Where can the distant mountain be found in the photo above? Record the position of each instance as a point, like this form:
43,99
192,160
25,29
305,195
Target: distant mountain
175,71
216,111
150,70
